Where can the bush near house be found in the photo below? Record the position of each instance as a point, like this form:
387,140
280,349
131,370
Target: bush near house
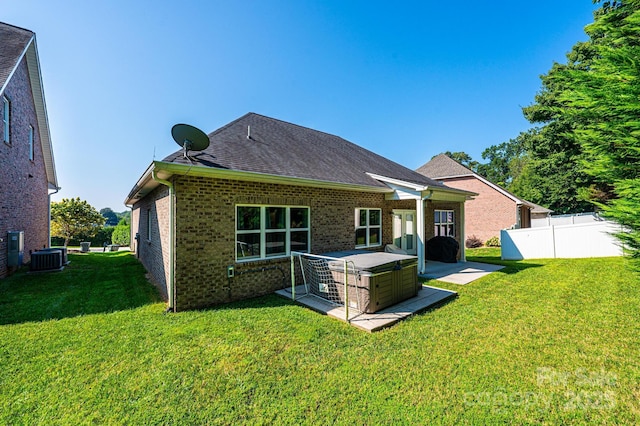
493,242
473,242
122,233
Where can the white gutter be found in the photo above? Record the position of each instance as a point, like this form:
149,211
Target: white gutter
172,244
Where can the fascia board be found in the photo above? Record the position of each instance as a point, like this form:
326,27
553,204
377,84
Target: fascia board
166,170
37,89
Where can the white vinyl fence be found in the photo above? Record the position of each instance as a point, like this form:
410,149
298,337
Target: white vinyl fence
593,239
566,219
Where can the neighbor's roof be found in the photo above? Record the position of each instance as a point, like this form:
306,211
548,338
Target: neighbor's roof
539,209
444,167
15,44
280,148
12,48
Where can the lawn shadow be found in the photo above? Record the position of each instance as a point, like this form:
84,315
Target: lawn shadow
93,283
510,266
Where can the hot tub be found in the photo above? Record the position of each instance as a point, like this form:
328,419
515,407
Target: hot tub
376,279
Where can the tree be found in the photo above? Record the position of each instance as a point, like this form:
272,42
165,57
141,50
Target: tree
110,216
74,217
603,102
122,233
506,160
553,174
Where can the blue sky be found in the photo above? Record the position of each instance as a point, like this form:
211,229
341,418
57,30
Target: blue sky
407,80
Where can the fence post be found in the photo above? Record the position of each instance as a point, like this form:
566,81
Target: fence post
346,292
293,278
553,239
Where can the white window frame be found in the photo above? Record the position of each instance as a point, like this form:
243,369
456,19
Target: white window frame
367,227
31,142
263,231
6,120
437,226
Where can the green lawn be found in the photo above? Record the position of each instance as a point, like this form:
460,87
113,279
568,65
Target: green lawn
544,341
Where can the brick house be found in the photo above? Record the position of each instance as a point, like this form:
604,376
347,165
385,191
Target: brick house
493,209
26,157
264,188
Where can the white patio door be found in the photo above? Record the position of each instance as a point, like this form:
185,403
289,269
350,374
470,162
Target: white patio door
404,230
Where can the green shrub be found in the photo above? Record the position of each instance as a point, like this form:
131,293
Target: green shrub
493,242
122,233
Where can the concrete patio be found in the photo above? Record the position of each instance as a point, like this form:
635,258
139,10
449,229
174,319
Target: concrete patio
458,273
428,297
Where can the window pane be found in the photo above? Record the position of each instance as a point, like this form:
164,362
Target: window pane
300,241
436,216
361,237
374,236
449,217
248,218
248,245
299,218
450,231
276,243
363,218
276,218
374,217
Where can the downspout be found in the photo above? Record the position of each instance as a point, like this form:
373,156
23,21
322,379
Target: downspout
422,245
171,286
57,190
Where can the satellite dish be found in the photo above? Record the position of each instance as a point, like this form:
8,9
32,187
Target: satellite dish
189,138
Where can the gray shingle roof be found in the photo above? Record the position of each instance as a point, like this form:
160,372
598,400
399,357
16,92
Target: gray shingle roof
284,149
13,42
442,166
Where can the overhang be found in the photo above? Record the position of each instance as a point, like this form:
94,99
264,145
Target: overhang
166,170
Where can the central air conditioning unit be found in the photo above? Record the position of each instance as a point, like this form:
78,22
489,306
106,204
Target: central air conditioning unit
46,260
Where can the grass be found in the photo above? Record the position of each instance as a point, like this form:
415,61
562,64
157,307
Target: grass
545,341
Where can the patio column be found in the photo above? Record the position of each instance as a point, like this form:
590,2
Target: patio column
421,239
463,255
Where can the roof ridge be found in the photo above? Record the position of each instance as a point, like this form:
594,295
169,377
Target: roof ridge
17,27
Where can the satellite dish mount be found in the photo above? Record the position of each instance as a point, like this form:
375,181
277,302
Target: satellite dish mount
189,138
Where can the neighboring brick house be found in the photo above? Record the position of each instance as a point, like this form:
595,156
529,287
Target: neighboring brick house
27,169
263,188
493,209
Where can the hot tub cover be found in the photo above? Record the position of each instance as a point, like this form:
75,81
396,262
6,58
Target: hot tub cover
368,261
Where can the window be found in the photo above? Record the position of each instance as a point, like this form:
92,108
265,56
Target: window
271,231
444,223
368,228
148,224
6,115
31,143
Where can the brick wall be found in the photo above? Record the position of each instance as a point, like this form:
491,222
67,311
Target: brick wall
206,240
205,244
489,212
153,248
24,204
